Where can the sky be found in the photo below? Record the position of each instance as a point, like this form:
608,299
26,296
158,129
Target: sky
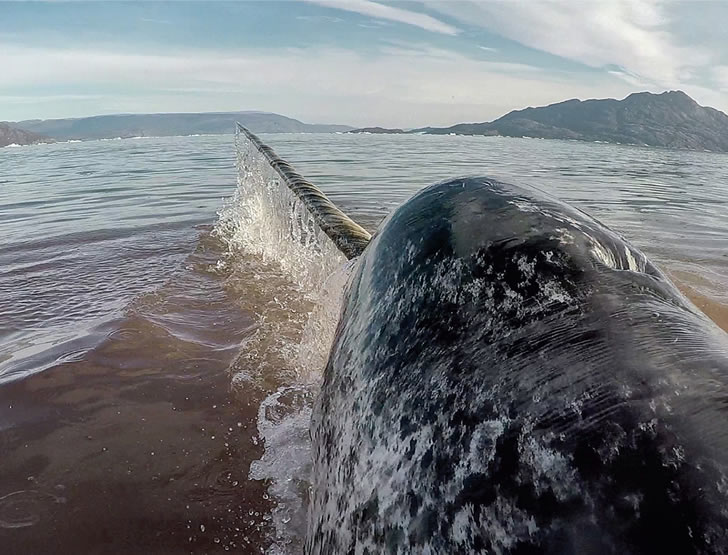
356,62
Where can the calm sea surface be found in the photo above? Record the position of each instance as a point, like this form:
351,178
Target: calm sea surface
145,354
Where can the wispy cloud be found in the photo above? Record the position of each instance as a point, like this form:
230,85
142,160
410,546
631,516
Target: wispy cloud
408,86
720,76
632,34
376,68
382,11
45,99
375,24
631,78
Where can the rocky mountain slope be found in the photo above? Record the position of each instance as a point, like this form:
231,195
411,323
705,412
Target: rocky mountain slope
670,119
10,135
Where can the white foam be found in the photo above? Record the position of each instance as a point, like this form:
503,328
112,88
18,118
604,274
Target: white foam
266,219
283,424
293,277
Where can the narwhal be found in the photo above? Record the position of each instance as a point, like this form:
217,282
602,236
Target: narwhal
511,376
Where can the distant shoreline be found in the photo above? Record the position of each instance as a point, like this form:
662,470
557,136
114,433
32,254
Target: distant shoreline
453,135
669,120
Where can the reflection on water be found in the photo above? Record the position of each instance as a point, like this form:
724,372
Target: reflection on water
23,508
142,438
155,377
86,227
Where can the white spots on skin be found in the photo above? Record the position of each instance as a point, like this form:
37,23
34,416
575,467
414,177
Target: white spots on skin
550,469
370,460
527,268
463,524
506,524
564,236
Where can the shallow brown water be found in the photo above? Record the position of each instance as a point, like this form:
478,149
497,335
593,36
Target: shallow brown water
715,309
141,444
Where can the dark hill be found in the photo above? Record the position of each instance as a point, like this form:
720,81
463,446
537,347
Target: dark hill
670,119
162,125
12,136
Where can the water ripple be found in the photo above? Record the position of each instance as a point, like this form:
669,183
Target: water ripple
24,508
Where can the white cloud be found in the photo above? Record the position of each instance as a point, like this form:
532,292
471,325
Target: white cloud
382,11
45,99
407,86
638,44
720,76
632,34
631,78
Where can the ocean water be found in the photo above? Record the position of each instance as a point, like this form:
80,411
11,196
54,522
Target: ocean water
164,316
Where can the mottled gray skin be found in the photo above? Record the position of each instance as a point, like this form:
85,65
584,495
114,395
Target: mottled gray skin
510,376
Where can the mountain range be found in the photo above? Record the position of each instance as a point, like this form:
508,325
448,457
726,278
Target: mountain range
162,125
670,119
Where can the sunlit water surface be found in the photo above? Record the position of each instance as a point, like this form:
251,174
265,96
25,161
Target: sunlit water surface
160,347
